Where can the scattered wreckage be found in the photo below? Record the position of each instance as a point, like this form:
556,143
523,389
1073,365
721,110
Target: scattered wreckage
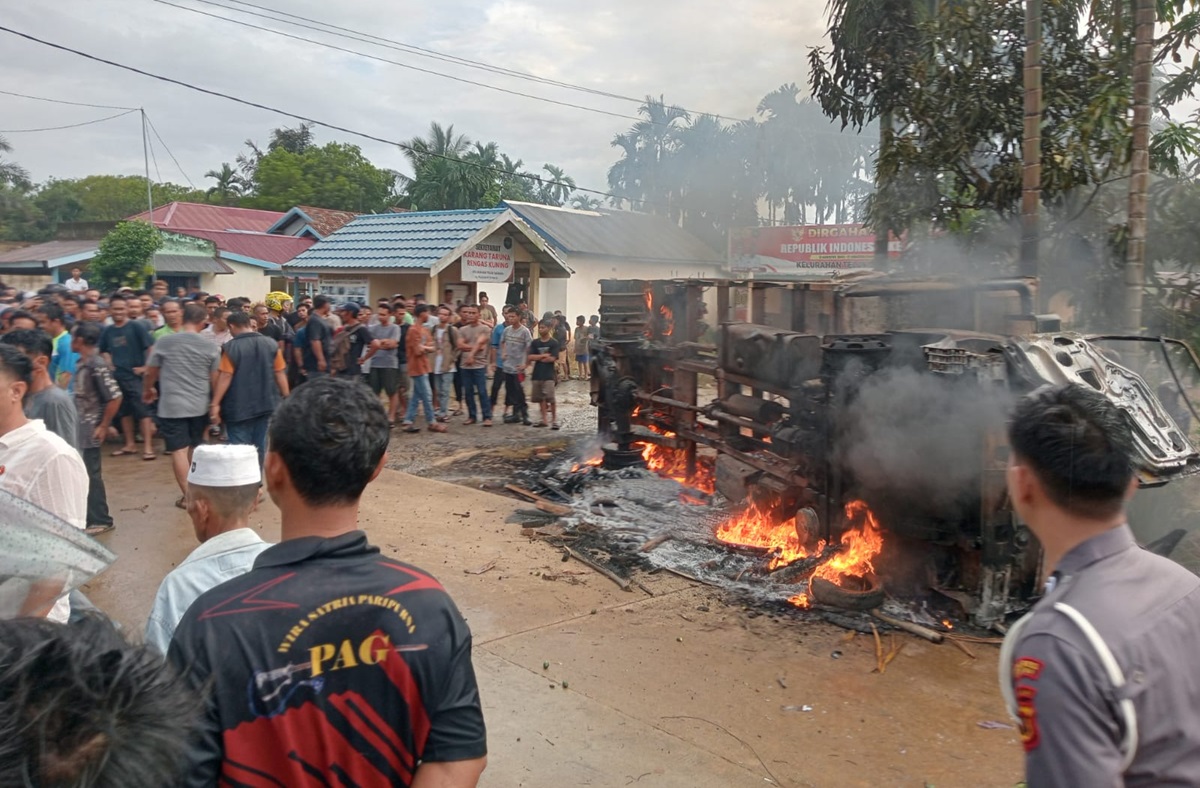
861,452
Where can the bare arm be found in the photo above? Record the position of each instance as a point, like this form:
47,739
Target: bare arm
148,381
220,387
449,774
281,381
106,419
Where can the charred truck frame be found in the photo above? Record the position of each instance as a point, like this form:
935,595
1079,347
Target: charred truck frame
796,400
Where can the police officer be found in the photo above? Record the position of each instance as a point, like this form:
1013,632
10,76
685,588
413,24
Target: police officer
1103,674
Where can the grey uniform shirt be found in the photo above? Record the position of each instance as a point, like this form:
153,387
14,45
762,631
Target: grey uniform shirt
187,361
1146,608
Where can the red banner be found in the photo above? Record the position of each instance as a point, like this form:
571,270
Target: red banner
812,248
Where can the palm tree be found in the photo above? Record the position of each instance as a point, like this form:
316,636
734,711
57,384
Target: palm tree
11,173
1139,175
557,189
646,175
229,184
447,172
586,202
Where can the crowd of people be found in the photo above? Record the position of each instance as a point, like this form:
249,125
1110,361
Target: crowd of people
193,368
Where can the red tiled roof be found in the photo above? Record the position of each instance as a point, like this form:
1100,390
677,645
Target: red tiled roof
177,216
277,249
326,220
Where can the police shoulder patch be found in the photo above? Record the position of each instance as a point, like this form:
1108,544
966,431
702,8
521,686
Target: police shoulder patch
1027,669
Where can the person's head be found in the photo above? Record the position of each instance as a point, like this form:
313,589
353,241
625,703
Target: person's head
262,316
76,273
470,314
302,312
364,313
483,298
276,300
512,317
135,308
172,312
218,319
211,304
118,309
239,322
420,311
399,309
85,707
70,305
448,295
444,315
348,312
544,328
52,319
85,337
522,304
594,319
1071,460
146,298
93,294
89,311
16,378
222,485
180,292
321,305
20,320
159,290
384,312
419,298
326,423
580,320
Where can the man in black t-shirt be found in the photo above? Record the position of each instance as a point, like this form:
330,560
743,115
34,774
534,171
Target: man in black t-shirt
358,339
320,339
543,352
330,664
124,346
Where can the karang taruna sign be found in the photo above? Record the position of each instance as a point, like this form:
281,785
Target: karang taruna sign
490,261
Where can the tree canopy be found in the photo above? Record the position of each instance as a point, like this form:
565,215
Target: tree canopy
335,175
125,256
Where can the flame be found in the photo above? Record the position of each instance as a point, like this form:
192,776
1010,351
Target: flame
860,546
672,463
668,320
590,462
762,528
946,623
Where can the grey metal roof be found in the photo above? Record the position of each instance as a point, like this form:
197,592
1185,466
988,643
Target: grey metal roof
622,234
415,240
188,264
49,251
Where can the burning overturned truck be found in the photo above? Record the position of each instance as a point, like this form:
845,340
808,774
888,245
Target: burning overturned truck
862,451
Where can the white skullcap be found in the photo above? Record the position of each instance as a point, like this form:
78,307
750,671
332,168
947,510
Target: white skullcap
224,465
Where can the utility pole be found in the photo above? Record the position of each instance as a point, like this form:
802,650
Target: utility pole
1139,165
886,121
1031,166
146,160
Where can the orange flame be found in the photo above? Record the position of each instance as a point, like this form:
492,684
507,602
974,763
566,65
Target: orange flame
860,546
762,528
590,462
668,320
672,463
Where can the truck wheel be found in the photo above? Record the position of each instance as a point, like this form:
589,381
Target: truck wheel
831,594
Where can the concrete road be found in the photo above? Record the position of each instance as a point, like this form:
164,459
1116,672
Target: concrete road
674,689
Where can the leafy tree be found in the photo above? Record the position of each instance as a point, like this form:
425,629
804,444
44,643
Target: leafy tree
229,185
297,140
11,173
586,202
557,188
126,255
335,175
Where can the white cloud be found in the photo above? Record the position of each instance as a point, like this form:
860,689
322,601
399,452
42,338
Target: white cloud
708,55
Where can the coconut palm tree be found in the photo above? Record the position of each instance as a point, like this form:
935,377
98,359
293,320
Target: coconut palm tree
229,186
11,173
586,202
646,175
557,188
1139,175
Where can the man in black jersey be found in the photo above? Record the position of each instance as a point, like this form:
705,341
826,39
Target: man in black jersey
330,664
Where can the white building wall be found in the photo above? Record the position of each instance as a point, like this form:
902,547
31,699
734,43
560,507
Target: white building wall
580,295
247,281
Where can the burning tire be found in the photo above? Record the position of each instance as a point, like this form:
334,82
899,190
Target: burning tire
866,597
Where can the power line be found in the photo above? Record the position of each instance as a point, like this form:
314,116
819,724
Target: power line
150,147
302,118
168,150
412,49
62,101
70,126
409,66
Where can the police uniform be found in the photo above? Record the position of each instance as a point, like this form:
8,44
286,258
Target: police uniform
1103,674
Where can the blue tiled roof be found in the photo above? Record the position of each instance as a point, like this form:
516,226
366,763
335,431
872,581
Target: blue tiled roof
395,240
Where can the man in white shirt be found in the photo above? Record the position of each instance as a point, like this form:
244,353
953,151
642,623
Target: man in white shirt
36,464
76,284
223,486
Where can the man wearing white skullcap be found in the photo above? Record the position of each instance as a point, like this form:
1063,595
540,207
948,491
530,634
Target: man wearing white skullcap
223,483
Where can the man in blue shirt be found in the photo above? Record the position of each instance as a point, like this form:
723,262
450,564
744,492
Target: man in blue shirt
53,321
497,376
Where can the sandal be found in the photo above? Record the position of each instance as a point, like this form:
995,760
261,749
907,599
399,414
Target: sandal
122,452
470,421
96,530
555,426
437,427
150,456
181,503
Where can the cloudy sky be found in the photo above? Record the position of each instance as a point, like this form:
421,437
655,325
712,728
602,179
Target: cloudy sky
716,56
